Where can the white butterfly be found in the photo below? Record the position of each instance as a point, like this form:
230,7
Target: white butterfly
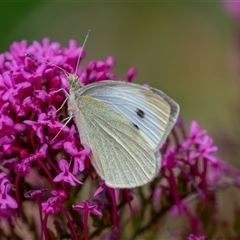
125,125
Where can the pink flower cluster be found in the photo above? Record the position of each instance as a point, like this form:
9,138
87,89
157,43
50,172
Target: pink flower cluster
53,173
29,121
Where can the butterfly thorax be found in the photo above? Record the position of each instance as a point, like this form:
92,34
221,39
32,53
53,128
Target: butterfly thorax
74,82
72,104
74,85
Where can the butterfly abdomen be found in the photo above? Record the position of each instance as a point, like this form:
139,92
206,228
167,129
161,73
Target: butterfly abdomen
72,104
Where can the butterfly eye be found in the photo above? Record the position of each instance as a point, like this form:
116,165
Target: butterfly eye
140,113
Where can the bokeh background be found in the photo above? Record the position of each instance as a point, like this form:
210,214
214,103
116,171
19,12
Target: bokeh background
190,50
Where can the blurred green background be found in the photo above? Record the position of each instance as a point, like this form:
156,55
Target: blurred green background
182,48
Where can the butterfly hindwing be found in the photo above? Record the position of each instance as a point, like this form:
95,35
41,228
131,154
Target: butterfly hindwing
120,153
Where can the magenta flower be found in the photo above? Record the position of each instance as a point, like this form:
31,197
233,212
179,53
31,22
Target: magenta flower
53,124
79,156
39,154
6,201
23,167
60,193
6,139
131,73
2,175
169,159
11,88
37,126
205,150
195,135
33,194
5,120
66,175
51,206
87,210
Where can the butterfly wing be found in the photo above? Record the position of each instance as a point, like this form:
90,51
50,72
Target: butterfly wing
151,111
120,153
174,112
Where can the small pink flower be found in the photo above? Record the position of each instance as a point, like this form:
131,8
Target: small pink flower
5,120
33,194
170,158
60,193
37,126
66,175
6,139
195,135
23,167
51,206
205,150
87,208
6,201
39,154
109,62
79,156
131,73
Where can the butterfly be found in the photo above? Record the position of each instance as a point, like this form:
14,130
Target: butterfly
125,125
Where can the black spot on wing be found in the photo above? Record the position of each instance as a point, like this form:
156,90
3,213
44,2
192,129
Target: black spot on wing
140,113
136,126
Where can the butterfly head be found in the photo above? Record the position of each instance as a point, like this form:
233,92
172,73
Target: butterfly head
74,82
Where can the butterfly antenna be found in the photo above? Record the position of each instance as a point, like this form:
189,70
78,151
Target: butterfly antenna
81,51
49,63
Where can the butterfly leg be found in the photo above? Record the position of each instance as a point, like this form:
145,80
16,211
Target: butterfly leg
59,107
69,119
61,89
66,119
66,94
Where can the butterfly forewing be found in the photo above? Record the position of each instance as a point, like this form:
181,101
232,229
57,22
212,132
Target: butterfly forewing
149,110
174,112
120,153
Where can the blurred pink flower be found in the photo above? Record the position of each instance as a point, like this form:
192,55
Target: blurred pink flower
6,201
195,135
232,7
193,237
